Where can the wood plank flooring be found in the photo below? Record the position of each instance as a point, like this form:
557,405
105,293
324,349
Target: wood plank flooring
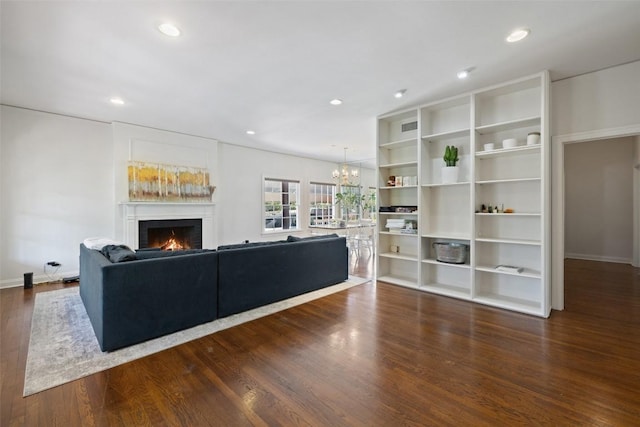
374,355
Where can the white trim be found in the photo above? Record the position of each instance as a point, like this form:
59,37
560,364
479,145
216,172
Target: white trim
635,261
590,257
594,135
40,278
133,212
558,198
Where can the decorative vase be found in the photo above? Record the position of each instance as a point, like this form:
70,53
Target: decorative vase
450,174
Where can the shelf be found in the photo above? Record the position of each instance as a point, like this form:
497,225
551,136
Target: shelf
395,255
399,144
446,185
511,177
445,264
510,241
399,187
398,213
505,181
516,304
509,214
506,152
445,235
396,280
446,290
525,273
399,165
447,135
389,233
508,125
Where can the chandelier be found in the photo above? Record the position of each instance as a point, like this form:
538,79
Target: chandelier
344,176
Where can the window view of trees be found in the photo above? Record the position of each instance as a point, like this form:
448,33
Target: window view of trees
281,201
321,203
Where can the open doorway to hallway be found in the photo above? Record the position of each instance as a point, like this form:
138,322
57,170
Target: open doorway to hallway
601,196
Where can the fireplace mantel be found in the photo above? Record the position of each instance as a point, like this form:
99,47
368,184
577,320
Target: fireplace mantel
132,212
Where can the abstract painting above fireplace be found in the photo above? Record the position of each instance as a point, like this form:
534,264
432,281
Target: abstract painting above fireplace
168,183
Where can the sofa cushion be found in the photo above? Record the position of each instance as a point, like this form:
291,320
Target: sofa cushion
98,243
324,236
118,253
249,245
150,254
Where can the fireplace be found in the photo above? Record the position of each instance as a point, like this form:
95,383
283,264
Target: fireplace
136,213
170,234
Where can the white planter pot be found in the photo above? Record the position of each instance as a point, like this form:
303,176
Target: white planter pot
450,174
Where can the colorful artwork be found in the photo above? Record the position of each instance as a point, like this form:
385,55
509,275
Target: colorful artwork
168,183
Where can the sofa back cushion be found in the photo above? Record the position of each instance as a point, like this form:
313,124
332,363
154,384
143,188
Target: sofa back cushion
250,277
152,254
118,253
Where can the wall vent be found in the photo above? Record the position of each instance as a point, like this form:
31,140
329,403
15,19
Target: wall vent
406,127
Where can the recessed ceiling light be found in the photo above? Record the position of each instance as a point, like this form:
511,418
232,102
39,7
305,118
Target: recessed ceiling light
335,101
169,29
251,132
116,101
463,74
518,35
400,93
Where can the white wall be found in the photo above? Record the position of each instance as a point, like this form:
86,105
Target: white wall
139,143
62,179
241,172
604,99
599,200
57,188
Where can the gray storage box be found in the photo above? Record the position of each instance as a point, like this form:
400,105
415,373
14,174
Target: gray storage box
453,253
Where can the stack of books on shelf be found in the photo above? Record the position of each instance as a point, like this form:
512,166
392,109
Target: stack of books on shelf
395,225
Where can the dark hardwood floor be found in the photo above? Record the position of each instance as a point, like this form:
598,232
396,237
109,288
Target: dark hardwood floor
373,355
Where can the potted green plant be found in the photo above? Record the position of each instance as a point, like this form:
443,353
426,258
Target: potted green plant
450,171
368,204
350,202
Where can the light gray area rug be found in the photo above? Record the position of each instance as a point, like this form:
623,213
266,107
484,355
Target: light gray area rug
63,346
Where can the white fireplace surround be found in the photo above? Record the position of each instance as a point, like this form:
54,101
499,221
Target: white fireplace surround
134,212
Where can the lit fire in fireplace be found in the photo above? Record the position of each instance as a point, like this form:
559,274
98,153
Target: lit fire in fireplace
173,244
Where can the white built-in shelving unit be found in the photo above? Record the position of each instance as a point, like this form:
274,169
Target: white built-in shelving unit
411,144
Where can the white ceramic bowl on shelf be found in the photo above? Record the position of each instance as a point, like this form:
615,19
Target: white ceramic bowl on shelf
509,143
489,146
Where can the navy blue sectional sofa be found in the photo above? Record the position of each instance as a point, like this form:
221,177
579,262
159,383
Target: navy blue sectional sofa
252,275
147,294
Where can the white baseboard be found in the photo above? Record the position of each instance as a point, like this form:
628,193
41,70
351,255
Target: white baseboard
602,258
41,278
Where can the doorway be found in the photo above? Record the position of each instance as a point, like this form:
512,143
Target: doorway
599,200
558,199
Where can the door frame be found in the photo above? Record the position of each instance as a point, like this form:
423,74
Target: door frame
558,201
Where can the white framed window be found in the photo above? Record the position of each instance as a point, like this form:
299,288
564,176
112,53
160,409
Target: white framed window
281,202
322,197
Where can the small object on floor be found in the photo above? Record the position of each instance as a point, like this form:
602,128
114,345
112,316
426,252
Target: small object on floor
70,279
28,280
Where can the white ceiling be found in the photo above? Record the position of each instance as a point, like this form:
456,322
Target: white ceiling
273,66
